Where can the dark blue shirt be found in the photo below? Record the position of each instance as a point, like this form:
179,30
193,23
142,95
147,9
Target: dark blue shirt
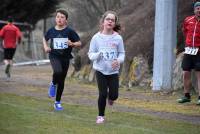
58,39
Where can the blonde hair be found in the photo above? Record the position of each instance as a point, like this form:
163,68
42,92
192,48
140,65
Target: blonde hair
117,25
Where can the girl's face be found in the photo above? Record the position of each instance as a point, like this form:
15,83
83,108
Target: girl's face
109,22
60,19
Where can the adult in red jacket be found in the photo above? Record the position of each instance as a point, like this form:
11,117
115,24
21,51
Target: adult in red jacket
10,35
191,59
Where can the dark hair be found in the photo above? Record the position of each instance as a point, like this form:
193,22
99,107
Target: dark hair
62,11
196,4
117,27
10,19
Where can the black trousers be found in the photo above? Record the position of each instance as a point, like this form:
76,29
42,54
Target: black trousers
60,67
108,86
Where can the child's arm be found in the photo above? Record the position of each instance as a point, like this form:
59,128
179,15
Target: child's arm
121,56
121,52
74,44
45,45
93,54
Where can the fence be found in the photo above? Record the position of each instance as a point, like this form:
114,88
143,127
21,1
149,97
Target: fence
31,49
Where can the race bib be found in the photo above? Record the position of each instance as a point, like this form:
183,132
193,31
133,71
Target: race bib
191,50
60,43
109,53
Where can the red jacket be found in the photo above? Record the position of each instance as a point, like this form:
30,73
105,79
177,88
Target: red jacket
10,35
191,30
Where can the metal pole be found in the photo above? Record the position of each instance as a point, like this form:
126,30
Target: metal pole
164,43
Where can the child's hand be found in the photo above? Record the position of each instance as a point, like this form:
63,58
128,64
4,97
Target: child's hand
47,49
115,64
69,43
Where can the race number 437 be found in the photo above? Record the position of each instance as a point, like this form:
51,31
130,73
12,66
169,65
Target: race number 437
60,43
191,50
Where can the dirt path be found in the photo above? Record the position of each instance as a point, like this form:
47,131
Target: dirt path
33,81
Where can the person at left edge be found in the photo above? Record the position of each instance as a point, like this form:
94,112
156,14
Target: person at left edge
62,40
11,35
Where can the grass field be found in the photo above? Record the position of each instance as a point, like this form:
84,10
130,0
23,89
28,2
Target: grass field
29,115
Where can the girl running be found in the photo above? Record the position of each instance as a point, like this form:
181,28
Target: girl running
107,53
62,40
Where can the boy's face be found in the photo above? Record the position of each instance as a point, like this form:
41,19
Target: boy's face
60,19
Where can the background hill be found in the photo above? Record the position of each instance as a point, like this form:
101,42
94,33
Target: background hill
137,19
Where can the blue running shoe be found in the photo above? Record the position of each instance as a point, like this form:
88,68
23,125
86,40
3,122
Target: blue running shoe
58,106
52,90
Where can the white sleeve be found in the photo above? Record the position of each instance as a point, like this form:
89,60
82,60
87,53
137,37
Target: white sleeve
121,51
93,53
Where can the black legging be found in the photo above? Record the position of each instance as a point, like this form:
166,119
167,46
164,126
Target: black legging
106,82
60,67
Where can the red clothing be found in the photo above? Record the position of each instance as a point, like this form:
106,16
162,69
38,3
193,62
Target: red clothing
191,30
10,35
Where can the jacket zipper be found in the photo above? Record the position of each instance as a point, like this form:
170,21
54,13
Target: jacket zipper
194,33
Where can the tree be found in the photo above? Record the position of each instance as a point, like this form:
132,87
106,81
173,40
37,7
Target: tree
29,11
89,11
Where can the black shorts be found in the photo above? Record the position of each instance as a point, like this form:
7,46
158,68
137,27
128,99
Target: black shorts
191,62
9,53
